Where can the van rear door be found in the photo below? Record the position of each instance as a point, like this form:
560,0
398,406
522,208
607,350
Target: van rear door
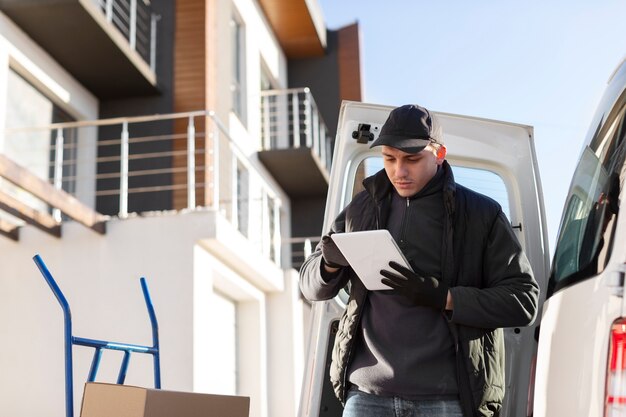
492,157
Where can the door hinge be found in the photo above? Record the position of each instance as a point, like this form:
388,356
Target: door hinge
363,134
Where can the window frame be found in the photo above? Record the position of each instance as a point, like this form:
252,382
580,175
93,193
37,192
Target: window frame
64,141
238,67
613,126
242,198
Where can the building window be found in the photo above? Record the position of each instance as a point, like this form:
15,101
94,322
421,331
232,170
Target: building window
266,79
271,228
237,86
273,112
27,106
242,198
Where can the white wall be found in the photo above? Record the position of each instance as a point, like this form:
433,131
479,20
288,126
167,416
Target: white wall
261,46
251,333
185,258
286,346
100,278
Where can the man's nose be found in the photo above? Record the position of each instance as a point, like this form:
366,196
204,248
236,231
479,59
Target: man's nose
401,169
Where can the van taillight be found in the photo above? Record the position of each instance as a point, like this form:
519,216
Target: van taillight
615,405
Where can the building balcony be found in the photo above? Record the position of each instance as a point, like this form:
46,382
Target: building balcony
139,166
296,148
107,45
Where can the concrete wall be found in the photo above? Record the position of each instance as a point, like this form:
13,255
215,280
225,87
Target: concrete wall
185,258
306,73
287,330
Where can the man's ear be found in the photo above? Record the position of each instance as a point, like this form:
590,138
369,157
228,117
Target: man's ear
441,154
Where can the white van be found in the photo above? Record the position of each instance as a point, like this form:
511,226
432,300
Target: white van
574,364
582,344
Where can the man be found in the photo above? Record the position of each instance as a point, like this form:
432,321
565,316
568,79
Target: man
433,345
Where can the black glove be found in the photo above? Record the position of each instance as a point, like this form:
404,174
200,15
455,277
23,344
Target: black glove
417,287
331,253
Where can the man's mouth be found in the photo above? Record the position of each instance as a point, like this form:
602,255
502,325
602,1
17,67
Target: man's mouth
403,183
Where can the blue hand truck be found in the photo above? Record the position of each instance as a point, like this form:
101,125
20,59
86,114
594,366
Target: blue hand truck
98,345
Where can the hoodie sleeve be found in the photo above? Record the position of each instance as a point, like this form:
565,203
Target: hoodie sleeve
315,283
510,294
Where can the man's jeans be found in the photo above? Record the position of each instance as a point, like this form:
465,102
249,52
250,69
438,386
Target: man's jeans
361,404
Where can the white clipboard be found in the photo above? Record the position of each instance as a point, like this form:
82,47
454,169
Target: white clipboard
368,252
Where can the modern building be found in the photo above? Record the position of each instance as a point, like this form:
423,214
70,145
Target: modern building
187,141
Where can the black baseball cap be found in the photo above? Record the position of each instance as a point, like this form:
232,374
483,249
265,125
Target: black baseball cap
409,128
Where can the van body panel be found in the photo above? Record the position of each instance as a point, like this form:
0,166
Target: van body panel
572,355
585,289
506,151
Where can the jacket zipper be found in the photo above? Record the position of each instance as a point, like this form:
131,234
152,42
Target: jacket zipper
404,216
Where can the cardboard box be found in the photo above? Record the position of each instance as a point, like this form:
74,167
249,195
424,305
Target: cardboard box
110,400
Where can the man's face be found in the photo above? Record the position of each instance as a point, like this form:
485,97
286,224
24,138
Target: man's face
409,172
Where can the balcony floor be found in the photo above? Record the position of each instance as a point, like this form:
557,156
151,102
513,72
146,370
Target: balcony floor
298,171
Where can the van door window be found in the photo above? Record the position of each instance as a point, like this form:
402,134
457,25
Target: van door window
480,180
586,234
485,182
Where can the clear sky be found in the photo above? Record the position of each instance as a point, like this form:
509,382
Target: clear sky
539,63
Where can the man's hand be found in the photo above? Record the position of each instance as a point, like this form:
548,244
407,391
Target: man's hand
416,286
331,253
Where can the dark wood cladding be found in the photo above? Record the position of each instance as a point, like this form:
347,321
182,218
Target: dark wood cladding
39,219
190,91
190,55
9,230
292,23
349,62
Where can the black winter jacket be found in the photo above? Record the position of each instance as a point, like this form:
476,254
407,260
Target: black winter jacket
490,280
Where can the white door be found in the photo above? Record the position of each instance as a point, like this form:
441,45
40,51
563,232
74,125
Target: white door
495,158
585,288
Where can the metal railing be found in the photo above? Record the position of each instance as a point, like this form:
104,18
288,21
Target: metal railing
154,163
290,119
301,248
137,23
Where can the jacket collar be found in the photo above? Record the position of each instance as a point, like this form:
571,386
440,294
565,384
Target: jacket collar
379,186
